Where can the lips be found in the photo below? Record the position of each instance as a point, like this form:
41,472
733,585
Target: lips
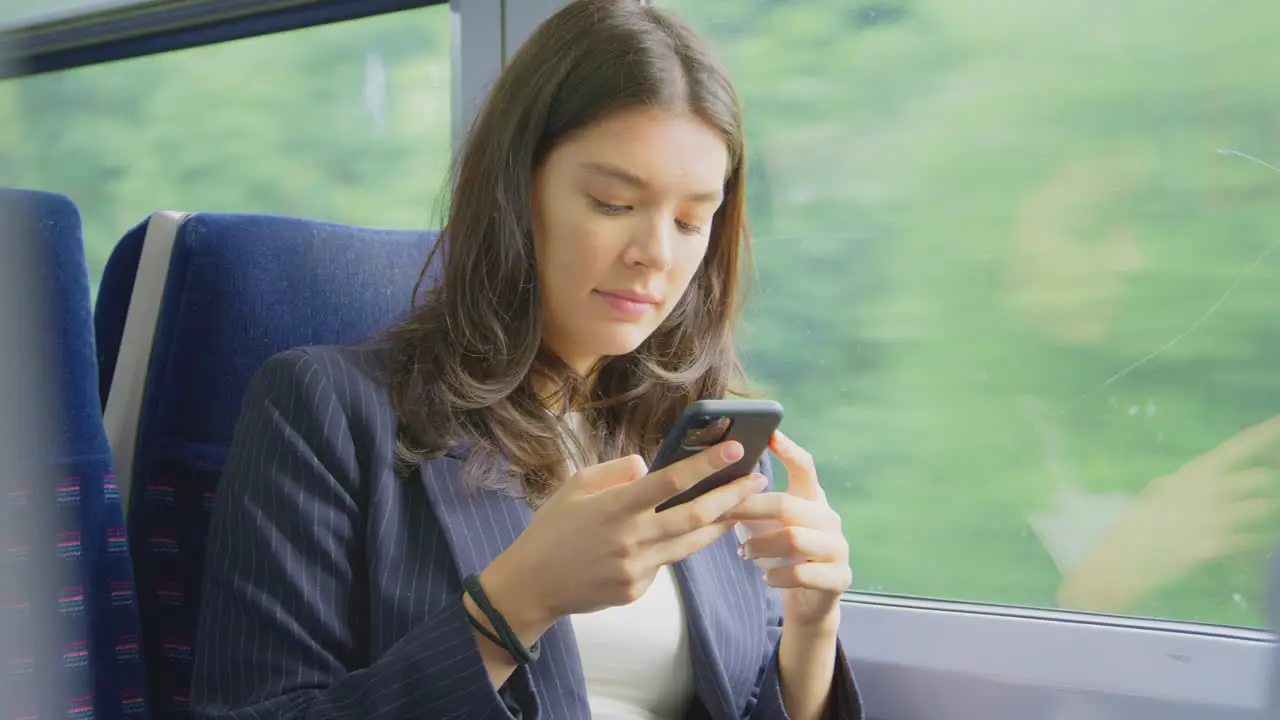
626,304
631,296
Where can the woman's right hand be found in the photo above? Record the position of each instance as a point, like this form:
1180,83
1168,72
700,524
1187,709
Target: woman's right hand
1223,502
598,543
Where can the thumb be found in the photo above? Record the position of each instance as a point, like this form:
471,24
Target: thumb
609,474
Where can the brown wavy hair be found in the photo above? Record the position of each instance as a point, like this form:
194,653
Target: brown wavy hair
466,364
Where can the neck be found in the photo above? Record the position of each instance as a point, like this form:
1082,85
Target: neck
551,392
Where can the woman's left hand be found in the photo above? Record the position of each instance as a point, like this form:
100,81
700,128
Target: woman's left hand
813,571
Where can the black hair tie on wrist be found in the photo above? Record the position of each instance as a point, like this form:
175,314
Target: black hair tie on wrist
479,626
504,637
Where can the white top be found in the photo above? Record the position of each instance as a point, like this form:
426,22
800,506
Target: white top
635,657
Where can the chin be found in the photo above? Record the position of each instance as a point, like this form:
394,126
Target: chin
615,341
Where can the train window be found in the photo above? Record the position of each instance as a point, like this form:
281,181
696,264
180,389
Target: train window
1018,289
347,122
21,11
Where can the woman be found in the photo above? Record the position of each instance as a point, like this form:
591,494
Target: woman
457,521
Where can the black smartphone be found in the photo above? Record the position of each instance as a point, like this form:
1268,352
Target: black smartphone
708,422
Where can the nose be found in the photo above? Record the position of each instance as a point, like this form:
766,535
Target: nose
651,243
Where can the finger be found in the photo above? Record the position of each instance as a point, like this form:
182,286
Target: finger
786,509
802,475
832,577
1253,510
653,489
675,549
600,477
708,508
1252,482
1242,542
799,544
1239,448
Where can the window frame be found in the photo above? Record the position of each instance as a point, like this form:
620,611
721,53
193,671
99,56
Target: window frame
922,659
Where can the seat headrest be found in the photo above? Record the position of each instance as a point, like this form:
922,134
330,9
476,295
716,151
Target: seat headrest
51,224
241,288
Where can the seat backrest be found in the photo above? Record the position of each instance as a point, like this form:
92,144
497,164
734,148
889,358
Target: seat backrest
73,522
235,290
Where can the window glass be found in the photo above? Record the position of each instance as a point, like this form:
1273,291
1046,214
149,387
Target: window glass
21,11
347,122
1019,288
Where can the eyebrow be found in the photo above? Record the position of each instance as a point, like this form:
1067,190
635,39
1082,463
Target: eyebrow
630,178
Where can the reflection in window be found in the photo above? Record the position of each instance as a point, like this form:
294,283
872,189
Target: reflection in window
1019,282
346,122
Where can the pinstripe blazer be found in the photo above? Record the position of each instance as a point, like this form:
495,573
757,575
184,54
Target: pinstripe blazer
333,581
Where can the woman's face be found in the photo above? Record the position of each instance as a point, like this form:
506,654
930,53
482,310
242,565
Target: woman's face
1074,251
621,220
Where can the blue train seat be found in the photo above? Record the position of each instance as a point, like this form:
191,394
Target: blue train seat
76,629
189,308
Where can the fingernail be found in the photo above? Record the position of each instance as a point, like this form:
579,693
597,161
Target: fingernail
759,482
732,452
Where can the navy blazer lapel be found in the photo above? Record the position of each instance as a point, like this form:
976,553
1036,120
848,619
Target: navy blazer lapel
479,524
726,618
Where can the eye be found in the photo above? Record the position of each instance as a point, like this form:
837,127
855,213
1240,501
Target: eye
688,228
609,208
